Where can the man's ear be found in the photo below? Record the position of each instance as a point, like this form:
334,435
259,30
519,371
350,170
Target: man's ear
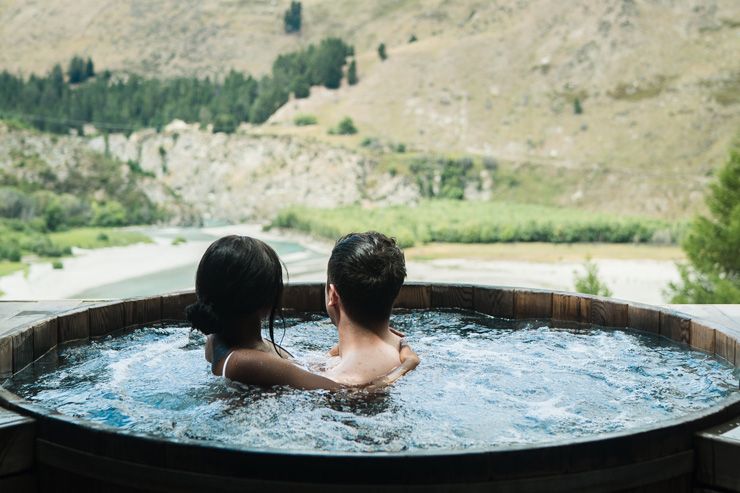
332,295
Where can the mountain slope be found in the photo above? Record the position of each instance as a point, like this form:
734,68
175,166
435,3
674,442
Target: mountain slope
658,81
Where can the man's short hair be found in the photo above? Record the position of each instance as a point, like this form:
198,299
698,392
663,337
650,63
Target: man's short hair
368,270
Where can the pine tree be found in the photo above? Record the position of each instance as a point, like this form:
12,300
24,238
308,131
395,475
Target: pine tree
77,70
352,73
292,18
712,244
89,68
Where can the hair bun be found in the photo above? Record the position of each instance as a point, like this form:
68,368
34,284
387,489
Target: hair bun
203,316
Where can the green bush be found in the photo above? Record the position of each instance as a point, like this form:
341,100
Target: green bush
10,250
589,283
381,51
577,106
345,127
712,244
57,264
110,213
304,120
225,123
44,247
179,240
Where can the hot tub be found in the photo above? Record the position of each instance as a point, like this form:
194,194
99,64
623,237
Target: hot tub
78,455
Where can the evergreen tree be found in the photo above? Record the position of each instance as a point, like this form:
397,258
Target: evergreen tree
125,104
56,81
381,51
89,68
352,73
712,244
77,71
292,18
301,87
327,61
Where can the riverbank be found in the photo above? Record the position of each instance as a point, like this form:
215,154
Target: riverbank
175,252
633,272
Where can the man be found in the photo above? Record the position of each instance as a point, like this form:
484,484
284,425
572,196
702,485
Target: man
365,274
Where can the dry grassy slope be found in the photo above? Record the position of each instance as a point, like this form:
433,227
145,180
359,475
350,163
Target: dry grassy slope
167,37
489,77
507,92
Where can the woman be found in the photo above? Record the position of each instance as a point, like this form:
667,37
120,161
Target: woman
239,284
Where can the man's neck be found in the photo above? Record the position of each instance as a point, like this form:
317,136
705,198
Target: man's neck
354,336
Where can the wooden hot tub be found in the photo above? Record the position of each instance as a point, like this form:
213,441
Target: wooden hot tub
75,455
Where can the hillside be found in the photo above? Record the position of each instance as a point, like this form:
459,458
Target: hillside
658,81
199,176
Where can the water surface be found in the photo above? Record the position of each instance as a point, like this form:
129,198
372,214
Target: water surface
483,382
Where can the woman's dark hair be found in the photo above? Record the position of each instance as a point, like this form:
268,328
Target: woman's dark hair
368,270
237,276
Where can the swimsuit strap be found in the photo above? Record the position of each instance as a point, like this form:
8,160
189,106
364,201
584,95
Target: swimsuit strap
226,362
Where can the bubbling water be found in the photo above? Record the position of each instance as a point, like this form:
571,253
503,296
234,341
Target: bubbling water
482,382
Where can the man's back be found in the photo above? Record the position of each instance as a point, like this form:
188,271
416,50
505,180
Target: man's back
365,358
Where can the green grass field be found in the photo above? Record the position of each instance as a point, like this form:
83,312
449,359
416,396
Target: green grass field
51,246
7,267
98,237
454,221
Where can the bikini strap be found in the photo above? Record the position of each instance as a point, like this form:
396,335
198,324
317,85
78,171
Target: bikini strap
226,362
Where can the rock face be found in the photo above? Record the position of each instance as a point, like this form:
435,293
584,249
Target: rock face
236,177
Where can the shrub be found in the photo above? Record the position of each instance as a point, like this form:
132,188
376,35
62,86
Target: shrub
44,247
304,120
57,264
345,127
589,283
381,51
577,107
110,213
136,169
225,123
371,142
179,240
712,244
15,204
10,250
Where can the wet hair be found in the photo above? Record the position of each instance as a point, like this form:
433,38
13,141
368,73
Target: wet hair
237,276
368,270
